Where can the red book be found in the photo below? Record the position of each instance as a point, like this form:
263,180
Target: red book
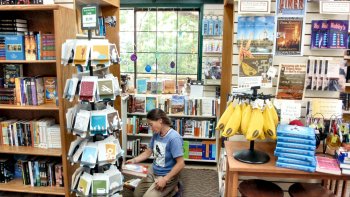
327,165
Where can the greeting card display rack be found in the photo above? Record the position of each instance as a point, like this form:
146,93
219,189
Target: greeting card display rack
251,155
96,138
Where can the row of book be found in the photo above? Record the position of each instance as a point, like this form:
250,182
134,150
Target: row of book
346,101
30,46
34,171
329,34
177,105
296,147
195,128
212,26
166,86
198,150
43,133
19,2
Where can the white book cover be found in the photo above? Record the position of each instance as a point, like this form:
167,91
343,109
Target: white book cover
89,156
207,107
82,121
80,150
85,183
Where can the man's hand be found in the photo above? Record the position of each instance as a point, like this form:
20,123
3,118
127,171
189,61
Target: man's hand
160,183
130,161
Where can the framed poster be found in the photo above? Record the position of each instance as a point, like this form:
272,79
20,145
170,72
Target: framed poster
254,6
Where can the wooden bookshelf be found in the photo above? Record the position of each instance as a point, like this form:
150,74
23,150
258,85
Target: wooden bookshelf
28,7
30,107
101,3
25,150
183,137
27,61
176,116
16,185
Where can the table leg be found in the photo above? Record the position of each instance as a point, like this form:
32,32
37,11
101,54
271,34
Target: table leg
235,184
227,180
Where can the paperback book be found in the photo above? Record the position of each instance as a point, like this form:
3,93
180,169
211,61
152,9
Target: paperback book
296,161
295,167
327,165
306,133
291,81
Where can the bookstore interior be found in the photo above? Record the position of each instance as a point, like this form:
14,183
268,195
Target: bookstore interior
257,93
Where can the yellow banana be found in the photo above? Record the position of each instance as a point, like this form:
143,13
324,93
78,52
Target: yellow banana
225,117
255,127
246,113
233,124
273,112
269,126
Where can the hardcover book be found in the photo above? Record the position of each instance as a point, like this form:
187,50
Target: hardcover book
141,85
297,140
295,167
291,81
88,88
324,32
315,34
140,104
295,156
50,89
177,104
296,146
295,151
169,86
12,71
297,162
151,103
296,131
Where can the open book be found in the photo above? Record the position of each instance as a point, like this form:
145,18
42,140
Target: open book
135,169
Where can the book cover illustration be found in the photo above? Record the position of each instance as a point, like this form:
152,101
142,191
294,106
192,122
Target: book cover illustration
140,104
89,155
50,89
253,70
113,121
327,165
255,34
88,88
315,34
297,162
289,37
169,86
105,89
115,178
100,184
177,104
141,85
295,167
338,34
85,183
14,47
100,55
81,120
107,152
81,54
212,68
98,123
296,131
12,71
151,103
291,7
291,81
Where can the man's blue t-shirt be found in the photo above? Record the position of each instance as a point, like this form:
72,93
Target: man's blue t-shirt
166,149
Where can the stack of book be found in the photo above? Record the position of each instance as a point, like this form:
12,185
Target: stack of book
343,157
296,148
13,26
48,47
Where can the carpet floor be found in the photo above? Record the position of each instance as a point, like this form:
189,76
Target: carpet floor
196,182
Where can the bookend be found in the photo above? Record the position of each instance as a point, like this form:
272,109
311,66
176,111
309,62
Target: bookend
251,155
99,167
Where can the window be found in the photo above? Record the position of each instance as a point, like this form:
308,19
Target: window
160,38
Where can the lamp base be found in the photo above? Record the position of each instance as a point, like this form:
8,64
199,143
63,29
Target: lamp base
251,156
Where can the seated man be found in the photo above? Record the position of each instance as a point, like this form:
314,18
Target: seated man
166,144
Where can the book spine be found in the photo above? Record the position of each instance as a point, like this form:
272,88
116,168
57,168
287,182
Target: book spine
296,146
295,167
297,162
295,151
295,156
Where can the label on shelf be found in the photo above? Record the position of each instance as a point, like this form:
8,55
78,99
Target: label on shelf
89,17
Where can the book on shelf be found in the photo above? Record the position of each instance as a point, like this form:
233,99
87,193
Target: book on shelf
6,170
141,86
327,165
200,150
169,86
11,71
177,104
151,103
140,104
14,47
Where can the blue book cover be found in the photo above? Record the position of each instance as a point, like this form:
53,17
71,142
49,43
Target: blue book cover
338,34
297,162
89,155
14,47
141,85
295,131
296,146
315,34
295,151
98,123
295,156
295,167
296,140
205,26
213,152
151,103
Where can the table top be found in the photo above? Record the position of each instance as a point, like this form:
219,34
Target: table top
269,168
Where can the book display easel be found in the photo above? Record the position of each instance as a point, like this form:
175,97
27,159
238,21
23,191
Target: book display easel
46,20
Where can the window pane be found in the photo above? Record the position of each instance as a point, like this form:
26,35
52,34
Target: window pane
126,65
188,42
164,61
188,21
144,59
126,20
166,42
167,21
126,42
146,21
187,64
146,42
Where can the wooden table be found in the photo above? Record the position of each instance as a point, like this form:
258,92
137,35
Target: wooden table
235,168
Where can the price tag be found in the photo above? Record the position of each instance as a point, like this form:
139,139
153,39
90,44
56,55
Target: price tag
89,17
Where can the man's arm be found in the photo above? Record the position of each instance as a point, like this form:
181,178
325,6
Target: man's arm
180,164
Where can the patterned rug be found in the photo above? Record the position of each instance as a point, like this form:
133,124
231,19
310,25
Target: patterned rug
196,182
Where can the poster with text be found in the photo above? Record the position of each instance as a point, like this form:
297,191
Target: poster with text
291,7
291,81
289,36
253,71
255,34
